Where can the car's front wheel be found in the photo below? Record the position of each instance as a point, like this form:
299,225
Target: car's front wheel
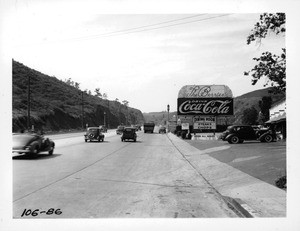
34,152
234,140
51,151
268,138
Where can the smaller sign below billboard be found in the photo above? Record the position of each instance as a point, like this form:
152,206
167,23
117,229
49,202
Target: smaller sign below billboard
185,126
205,119
205,122
205,125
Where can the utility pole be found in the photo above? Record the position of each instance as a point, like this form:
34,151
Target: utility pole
104,122
108,114
28,103
82,111
168,108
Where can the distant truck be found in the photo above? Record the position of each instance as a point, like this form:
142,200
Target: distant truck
149,127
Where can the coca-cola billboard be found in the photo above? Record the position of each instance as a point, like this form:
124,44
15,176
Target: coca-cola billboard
205,106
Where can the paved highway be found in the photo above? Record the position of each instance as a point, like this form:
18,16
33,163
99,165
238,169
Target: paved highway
264,161
112,179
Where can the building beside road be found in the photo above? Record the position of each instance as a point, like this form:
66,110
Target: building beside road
278,117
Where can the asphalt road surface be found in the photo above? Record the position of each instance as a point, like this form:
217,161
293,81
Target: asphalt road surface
264,161
112,179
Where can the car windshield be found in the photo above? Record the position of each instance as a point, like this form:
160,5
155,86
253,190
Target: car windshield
129,129
22,137
92,129
120,127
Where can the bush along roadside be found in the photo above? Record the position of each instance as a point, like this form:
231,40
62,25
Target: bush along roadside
281,182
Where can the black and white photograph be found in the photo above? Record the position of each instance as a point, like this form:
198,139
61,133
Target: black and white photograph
119,115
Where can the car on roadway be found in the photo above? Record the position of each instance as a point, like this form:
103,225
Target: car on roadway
162,129
93,134
120,129
239,133
129,133
32,144
103,128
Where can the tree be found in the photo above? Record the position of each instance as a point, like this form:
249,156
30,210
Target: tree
250,116
98,93
105,96
125,102
76,85
269,65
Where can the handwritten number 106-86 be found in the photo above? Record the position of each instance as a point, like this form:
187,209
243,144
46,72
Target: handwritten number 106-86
28,212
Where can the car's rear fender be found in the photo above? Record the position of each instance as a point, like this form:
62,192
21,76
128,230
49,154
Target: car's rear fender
229,136
262,137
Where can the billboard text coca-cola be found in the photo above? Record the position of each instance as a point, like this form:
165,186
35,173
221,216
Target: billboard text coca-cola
205,106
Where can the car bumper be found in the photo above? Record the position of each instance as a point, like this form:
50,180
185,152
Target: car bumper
20,151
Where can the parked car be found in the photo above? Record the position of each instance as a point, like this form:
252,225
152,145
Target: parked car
32,144
103,128
129,134
120,130
162,129
238,133
93,134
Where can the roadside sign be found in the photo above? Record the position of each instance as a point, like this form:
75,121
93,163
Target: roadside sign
205,122
184,126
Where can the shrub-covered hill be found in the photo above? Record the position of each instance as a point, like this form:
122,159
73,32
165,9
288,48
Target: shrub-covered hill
56,105
252,99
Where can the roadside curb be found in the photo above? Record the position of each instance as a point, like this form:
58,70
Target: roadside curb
240,207
247,195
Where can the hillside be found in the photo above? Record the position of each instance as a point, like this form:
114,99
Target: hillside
55,105
251,99
240,104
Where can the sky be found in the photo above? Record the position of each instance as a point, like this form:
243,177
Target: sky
142,58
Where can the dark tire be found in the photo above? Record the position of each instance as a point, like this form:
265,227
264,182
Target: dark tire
234,140
35,152
268,138
134,140
51,151
85,140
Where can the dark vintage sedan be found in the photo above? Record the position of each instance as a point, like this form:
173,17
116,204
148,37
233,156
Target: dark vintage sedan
93,134
239,133
120,130
162,129
129,134
31,144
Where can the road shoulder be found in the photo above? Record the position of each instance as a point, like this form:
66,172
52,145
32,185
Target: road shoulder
251,196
